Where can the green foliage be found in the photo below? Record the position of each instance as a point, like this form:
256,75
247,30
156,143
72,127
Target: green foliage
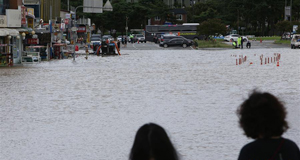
258,17
212,44
284,26
211,27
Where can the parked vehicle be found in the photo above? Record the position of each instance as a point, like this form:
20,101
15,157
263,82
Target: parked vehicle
165,37
109,37
140,38
119,38
156,37
234,37
187,30
95,41
96,35
295,42
286,35
176,41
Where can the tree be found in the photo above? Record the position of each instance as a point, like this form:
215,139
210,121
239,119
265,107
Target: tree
284,26
211,27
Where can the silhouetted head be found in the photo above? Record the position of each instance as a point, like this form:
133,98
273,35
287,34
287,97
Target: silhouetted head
262,115
152,142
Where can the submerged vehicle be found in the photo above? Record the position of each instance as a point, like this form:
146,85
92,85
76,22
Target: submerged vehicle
108,48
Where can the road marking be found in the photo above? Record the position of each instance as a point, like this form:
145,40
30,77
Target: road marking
134,46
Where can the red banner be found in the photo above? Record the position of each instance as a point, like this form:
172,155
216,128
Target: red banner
23,15
33,41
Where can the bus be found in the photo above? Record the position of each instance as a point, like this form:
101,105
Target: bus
188,31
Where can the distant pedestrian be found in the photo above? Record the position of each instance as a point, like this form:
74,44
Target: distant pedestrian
239,42
242,40
248,45
125,42
262,117
152,143
131,38
234,44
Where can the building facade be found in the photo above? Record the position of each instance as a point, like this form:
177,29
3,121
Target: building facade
170,3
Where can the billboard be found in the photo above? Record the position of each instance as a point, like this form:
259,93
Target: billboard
3,22
13,17
92,6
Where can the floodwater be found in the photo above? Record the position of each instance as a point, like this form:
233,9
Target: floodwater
91,109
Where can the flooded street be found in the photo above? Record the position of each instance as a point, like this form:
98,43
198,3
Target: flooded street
91,109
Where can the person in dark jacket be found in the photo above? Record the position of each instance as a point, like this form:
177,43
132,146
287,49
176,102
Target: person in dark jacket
262,117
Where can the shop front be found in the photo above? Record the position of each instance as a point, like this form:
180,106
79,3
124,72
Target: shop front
10,46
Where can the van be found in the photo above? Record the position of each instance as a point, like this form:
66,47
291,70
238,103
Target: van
295,41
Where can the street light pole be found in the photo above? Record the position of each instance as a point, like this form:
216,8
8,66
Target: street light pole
126,28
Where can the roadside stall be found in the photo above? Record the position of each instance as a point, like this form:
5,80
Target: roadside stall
41,49
6,56
58,51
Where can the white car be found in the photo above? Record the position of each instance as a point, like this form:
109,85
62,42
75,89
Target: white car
295,42
140,38
95,41
234,37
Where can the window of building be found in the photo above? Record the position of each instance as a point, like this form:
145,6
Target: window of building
157,18
179,17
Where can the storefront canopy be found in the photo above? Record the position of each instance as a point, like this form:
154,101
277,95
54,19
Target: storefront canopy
3,32
8,32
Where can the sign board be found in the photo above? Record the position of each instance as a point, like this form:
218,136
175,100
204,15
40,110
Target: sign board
30,22
23,15
74,29
62,26
68,16
32,41
81,29
30,11
13,17
287,11
295,28
3,22
66,21
93,6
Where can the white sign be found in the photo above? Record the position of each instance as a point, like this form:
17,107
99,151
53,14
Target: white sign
295,28
3,22
68,16
93,6
13,17
62,26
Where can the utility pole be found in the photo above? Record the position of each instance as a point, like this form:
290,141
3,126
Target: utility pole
126,28
291,11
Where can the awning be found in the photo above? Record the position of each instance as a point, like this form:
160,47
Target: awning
59,44
8,32
22,29
30,15
3,32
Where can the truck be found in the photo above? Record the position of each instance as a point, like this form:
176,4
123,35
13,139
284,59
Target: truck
295,41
